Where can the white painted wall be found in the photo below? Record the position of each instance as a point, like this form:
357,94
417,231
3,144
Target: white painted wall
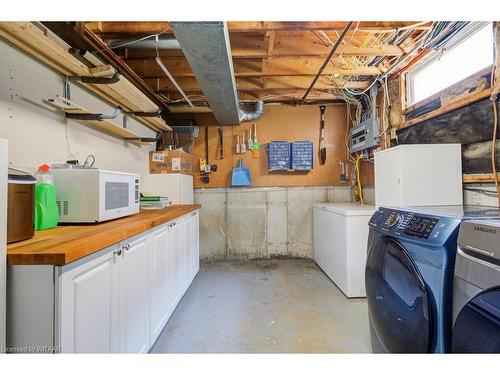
37,134
3,239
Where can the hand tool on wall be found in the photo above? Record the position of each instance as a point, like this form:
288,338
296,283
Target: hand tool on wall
237,144
250,141
205,167
256,144
241,175
322,146
221,142
243,144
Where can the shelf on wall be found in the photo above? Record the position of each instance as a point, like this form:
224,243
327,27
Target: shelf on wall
479,178
106,126
55,54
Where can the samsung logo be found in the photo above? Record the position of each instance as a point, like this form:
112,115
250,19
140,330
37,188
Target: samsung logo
485,229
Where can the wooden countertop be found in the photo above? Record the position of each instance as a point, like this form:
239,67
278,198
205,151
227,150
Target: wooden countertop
67,243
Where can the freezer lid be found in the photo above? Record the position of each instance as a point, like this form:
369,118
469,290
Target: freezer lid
347,208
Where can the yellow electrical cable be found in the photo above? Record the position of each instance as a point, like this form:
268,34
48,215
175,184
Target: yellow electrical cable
493,99
493,149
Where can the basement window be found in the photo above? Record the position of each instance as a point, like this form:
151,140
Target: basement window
463,57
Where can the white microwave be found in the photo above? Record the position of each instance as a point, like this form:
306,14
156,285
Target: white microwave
88,195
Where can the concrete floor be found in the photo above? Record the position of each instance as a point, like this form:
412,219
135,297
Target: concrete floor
276,306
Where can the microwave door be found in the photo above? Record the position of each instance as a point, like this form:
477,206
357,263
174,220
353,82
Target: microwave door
117,195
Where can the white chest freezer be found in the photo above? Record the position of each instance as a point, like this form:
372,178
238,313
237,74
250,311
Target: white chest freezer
340,240
419,175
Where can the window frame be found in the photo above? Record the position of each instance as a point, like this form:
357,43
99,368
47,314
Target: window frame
408,75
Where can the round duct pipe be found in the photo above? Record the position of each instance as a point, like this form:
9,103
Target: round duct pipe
246,116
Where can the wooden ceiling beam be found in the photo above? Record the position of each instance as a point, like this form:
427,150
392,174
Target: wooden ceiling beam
283,96
250,26
190,86
252,68
257,47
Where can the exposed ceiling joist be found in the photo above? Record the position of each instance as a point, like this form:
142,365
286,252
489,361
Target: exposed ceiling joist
253,68
274,59
248,84
257,47
249,26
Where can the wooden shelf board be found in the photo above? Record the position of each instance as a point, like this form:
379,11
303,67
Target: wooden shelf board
34,42
447,108
106,126
479,178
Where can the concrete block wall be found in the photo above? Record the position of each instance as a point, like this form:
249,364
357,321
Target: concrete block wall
253,223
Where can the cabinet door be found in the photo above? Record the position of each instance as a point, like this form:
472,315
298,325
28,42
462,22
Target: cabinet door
170,259
134,296
88,305
176,241
159,298
186,251
195,227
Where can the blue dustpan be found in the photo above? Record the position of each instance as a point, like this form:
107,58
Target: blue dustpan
241,175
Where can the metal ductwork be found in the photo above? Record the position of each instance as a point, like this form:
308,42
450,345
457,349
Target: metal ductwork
253,115
208,51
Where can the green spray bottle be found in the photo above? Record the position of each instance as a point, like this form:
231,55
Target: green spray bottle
46,210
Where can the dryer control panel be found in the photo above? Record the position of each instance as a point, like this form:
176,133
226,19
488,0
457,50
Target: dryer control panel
414,226
420,226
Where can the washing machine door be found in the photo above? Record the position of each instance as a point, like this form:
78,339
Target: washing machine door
398,303
477,327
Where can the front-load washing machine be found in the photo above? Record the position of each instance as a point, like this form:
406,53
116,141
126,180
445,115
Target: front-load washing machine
476,289
409,275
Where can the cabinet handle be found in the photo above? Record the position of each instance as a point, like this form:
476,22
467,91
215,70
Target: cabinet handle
118,252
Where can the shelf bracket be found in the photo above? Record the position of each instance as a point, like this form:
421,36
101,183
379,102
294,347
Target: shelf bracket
98,80
93,116
157,113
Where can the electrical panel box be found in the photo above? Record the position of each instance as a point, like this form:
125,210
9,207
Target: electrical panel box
365,135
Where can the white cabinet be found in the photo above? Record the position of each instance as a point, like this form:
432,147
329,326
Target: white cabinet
195,235
89,297
134,296
117,300
160,295
176,237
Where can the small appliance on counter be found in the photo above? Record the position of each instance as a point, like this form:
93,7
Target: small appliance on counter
90,195
20,206
46,210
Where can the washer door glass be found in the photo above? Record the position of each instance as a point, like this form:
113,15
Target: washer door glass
477,328
398,302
